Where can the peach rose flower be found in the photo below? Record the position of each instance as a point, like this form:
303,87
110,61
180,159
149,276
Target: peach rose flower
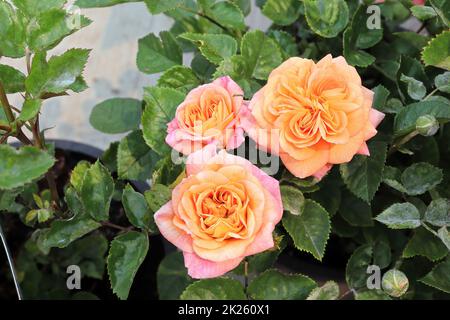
313,115
224,210
210,113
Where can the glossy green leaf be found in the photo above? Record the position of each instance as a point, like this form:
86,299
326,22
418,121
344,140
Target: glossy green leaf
158,54
12,79
179,77
59,74
135,160
136,209
97,191
309,230
439,277
442,8
444,235
117,115
18,167
274,285
160,6
363,174
392,177
227,14
214,47
158,196
442,82
30,109
286,42
400,216
356,270
405,121
293,199
424,243
423,13
437,52
172,277
214,289
328,291
78,173
161,104
33,8
416,89
126,255
327,18
282,12
260,53
12,31
421,177
100,3
438,212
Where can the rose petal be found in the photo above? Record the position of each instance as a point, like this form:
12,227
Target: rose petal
199,268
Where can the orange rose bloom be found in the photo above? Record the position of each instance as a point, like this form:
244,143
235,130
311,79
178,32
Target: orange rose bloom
224,210
321,113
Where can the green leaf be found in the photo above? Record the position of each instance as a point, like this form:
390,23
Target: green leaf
444,235
214,289
437,52
424,243
371,295
109,157
328,291
100,3
135,160
227,14
442,82
172,277
179,77
12,31
439,277
286,43
59,74
161,104
260,53
416,88
380,97
214,47
136,209
18,167
126,255
363,174
400,216
438,212
158,196
12,79
356,212
442,8
420,178
160,6
423,13
51,27
282,12
274,285
405,120
358,36
327,18
77,175
158,54
382,254
309,230
63,232
33,8
392,177
293,199
97,191
117,115
355,272
30,109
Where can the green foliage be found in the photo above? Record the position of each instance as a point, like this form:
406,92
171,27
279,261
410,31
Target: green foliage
400,216
125,256
18,167
116,115
326,17
214,47
437,52
137,210
172,277
293,199
309,230
284,12
214,289
439,277
328,291
12,78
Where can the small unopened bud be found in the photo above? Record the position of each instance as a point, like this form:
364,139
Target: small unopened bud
395,283
427,125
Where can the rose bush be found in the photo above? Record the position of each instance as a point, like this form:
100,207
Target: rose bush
340,108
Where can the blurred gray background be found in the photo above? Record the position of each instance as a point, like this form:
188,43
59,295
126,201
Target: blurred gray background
111,70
